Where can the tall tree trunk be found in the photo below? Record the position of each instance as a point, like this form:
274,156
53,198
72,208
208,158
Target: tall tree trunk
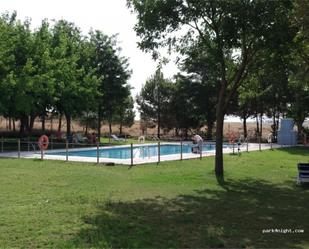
31,122
299,124
99,123
68,119
24,125
159,124
261,125
219,142
257,126
176,132
10,124
43,122
210,125
14,127
274,125
244,122
220,112
110,127
120,128
60,122
51,122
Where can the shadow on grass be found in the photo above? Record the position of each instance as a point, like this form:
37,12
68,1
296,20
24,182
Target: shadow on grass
231,217
298,150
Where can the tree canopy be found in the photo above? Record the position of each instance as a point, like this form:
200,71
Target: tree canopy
57,69
231,31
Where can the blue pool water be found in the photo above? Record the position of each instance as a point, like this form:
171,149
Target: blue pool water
138,152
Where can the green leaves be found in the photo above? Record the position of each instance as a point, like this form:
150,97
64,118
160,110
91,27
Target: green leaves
55,68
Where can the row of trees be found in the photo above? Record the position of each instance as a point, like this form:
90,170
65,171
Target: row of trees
55,69
237,48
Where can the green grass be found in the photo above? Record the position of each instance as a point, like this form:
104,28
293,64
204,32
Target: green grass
176,204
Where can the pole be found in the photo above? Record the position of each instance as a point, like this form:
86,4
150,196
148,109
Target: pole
98,154
181,150
260,143
67,150
159,152
42,154
2,142
51,143
28,144
18,143
233,148
201,151
131,154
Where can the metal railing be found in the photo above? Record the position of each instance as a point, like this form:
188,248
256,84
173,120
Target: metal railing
25,147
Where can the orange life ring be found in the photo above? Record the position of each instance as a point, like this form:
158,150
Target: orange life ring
43,142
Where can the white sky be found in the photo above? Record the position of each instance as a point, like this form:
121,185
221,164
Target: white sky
109,16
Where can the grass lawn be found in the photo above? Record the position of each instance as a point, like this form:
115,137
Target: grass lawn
171,205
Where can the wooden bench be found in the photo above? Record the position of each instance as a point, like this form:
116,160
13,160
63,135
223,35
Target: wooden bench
303,173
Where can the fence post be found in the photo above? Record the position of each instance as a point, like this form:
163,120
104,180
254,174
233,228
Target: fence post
131,154
2,143
66,150
181,150
233,148
260,149
159,152
18,143
42,154
201,152
51,143
98,155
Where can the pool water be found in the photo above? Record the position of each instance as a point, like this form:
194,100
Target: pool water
138,151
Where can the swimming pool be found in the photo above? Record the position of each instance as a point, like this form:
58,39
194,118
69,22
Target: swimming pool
140,151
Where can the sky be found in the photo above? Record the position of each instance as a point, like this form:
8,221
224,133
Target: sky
109,16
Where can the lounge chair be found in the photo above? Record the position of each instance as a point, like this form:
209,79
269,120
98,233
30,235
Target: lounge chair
141,139
79,138
117,139
303,173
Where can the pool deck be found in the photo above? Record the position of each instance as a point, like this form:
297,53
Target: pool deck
154,159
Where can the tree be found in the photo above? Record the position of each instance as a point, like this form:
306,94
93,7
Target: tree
18,79
57,69
299,66
183,105
114,74
43,74
75,88
234,30
201,63
125,113
154,100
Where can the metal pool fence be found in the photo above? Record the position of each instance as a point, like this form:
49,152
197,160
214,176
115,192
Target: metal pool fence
25,147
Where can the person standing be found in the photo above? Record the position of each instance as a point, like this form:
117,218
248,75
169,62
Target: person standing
197,139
